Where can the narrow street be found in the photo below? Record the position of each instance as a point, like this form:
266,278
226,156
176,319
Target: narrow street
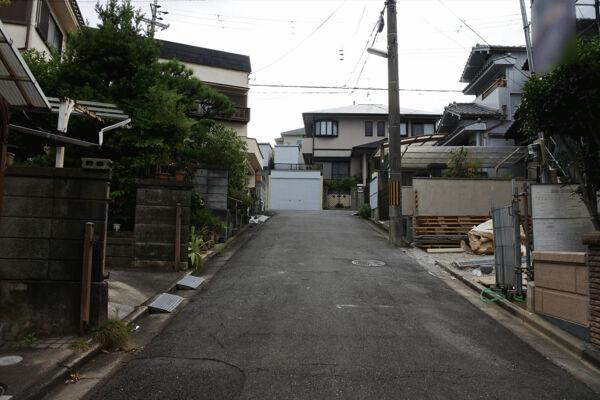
290,317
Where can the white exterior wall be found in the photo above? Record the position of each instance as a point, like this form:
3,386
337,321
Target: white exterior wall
266,151
287,154
63,15
219,75
18,34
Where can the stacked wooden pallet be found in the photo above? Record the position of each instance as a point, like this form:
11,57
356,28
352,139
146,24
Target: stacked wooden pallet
444,231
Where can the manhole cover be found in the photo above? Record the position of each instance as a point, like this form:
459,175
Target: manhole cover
10,360
368,263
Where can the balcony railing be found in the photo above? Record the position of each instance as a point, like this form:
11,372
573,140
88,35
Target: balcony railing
297,167
240,114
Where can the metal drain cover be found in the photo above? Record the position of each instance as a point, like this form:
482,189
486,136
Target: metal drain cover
190,282
165,303
10,360
368,263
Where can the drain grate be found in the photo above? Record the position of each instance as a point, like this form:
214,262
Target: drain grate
165,303
368,263
190,282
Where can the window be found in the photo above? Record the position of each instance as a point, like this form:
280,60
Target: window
326,128
368,128
47,27
381,128
340,169
403,129
16,12
422,129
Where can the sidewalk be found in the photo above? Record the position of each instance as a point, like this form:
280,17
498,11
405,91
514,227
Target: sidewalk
46,360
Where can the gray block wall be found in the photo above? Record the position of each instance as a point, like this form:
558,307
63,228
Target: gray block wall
41,249
154,231
212,185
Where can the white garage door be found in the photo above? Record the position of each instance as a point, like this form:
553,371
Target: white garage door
296,190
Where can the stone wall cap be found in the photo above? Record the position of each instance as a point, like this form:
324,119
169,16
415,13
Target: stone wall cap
592,238
566,257
164,184
69,173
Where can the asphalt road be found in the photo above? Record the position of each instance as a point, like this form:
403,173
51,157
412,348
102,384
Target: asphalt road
290,317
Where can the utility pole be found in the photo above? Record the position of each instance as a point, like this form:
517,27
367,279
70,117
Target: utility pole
526,30
4,120
597,7
156,17
396,236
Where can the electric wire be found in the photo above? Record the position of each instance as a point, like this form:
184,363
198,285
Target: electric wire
464,22
303,40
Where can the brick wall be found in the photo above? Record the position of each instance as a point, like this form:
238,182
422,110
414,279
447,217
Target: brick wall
41,249
592,240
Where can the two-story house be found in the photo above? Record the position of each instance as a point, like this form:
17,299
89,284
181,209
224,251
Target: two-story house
293,137
495,76
229,74
333,137
41,24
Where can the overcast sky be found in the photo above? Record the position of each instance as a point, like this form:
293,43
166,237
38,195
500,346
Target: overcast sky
298,42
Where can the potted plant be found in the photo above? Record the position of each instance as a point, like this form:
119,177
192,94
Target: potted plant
179,175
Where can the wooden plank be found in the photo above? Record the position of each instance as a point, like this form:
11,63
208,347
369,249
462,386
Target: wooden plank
446,250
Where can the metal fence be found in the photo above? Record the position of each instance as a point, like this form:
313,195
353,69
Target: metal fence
507,249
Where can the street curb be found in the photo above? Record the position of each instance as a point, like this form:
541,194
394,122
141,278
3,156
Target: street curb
58,375
570,343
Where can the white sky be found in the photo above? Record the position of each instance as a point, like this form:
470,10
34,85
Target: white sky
284,48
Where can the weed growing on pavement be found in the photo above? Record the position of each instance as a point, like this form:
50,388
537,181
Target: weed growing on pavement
112,335
30,339
80,344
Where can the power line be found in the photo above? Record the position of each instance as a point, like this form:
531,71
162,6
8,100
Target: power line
376,30
303,40
346,88
464,22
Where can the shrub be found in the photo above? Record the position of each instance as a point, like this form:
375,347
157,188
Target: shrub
112,335
365,211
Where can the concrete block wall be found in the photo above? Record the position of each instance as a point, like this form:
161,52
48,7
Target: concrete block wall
154,231
592,240
119,250
212,184
561,286
41,249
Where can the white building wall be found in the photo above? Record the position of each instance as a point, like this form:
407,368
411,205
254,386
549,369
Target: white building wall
219,75
287,154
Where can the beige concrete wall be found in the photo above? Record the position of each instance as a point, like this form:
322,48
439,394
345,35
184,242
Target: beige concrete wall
408,201
441,196
219,75
240,128
351,132
562,286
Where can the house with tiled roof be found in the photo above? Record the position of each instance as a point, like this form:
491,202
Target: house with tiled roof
495,76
